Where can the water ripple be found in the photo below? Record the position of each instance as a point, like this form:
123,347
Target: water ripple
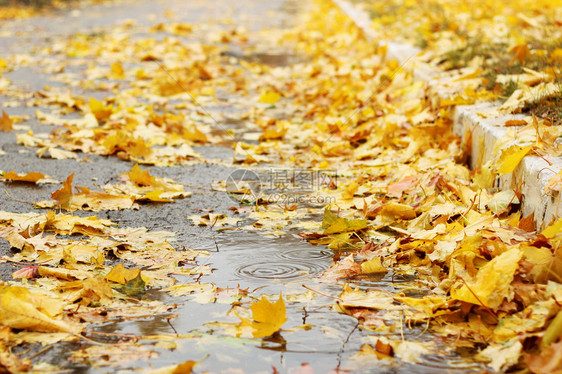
279,270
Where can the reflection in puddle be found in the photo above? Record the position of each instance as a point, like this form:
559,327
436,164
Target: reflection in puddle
390,281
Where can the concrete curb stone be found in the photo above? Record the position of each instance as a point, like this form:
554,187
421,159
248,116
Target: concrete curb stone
530,176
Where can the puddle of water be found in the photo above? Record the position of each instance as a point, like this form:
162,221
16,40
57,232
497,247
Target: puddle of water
254,261
271,266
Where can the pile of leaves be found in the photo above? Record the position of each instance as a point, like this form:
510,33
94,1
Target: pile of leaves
515,45
488,281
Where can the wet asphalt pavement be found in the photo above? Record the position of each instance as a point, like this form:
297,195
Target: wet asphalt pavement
98,170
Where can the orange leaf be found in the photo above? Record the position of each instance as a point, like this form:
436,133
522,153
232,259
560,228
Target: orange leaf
6,122
140,177
64,194
32,177
520,53
515,122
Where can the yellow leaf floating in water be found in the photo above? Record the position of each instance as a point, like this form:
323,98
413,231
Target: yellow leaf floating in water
267,317
183,368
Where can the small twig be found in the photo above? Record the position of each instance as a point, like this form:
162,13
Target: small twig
18,263
426,328
480,301
24,352
343,346
127,336
323,294
41,351
18,200
545,168
172,326
213,233
473,201
305,316
548,162
402,325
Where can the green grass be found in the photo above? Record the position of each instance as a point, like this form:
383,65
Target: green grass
549,108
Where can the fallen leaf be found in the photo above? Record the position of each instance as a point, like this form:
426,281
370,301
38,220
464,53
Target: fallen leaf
373,266
501,356
547,361
20,309
119,274
492,283
6,123
31,177
269,97
511,157
502,200
267,317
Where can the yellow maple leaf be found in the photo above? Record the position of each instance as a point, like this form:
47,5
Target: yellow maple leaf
350,190
511,157
183,368
100,111
140,177
333,224
267,317
96,290
492,283
84,199
520,53
83,253
373,266
269,97
20,309
191,132
156,196
395,210
427,304
117,71
119,274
